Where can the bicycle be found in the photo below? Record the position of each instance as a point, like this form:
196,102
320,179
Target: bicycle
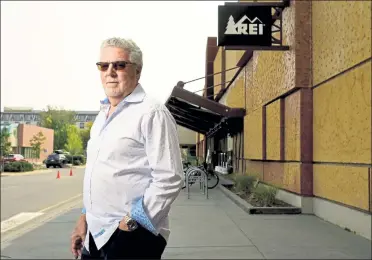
196,171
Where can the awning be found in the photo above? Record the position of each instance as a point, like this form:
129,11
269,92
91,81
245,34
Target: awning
203,115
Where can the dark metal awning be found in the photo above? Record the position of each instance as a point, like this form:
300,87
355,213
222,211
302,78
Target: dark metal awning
203,115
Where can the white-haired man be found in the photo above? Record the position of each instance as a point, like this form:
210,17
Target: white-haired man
133,170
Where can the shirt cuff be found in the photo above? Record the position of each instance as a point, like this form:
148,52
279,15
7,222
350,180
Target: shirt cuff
83,211
139,215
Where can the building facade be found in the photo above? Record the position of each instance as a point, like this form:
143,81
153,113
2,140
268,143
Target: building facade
307,111
186,138
12,117
20,136
32,117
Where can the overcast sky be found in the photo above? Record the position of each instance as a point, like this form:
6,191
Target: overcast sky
49,49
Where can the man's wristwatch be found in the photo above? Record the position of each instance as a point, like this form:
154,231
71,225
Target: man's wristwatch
131,223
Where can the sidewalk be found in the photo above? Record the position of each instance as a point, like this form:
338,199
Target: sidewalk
216,229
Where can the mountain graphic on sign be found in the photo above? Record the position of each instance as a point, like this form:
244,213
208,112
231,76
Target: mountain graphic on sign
247,18
232,27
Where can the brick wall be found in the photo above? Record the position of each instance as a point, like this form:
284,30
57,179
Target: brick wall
26,132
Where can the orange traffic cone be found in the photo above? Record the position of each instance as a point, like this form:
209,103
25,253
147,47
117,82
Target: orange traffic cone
58,175
70,172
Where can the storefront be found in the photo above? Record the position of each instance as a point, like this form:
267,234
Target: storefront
306,97
205,116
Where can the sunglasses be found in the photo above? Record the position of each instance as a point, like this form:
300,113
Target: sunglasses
117,65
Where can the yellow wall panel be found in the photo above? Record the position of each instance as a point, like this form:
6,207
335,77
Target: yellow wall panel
342,118
267,75
217,67
248,85
232,58
235,95
253,135
272,73
345,184
341,36
283,175
254,168
292,177
292,127
273,131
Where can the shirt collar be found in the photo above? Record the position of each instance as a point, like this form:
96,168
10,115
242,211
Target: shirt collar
137,95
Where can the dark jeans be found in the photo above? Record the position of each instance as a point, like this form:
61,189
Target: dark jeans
137,244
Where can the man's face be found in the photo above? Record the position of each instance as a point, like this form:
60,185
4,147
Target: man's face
119,82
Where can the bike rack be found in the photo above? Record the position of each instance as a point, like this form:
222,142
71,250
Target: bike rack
202,178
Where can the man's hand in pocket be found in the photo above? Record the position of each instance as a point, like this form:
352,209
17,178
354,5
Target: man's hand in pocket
78,236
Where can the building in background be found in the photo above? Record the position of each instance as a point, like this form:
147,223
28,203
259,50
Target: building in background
187,142
18,115
12,117
306,127
20,136
13,132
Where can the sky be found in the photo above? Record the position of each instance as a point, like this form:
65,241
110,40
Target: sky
49,49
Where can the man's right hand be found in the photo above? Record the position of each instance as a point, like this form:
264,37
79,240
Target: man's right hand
78,236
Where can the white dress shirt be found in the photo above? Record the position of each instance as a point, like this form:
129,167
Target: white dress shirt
133,167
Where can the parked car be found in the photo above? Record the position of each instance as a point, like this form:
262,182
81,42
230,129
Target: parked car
55,160
14,158
65,155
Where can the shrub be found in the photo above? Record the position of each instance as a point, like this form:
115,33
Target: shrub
76,162
18,167
37,166
68,158
264,195
244,184
80,158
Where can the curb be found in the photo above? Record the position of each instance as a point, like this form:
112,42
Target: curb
78,167
4,174
49,214
275,210
259,210
236,199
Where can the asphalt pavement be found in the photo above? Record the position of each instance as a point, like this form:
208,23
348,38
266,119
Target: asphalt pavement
37,191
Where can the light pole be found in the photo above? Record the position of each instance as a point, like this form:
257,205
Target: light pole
2,157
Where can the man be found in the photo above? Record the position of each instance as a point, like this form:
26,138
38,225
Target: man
133,171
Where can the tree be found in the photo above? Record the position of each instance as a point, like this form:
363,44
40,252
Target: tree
58,120
36,142
85,134
74,144
6,146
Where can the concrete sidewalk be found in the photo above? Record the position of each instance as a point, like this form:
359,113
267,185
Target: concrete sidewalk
216,228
